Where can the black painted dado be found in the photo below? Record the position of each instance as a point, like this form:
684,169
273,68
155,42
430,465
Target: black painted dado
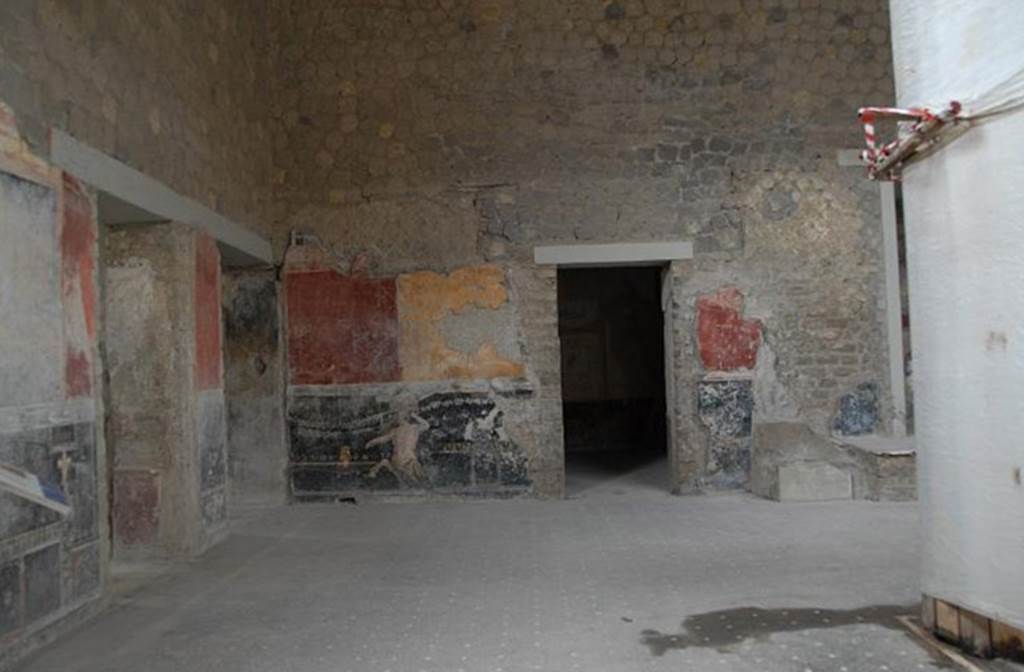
213,461
462,447
49,564
858,411
726,408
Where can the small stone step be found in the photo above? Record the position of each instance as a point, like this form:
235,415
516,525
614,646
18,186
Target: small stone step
820,468
886,466
813,482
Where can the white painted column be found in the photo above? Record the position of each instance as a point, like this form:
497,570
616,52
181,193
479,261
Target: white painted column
964,208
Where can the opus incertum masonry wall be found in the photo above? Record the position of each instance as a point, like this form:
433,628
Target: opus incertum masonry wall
167,429
440,144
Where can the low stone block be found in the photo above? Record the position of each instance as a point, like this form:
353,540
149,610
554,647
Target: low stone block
813,482
776,444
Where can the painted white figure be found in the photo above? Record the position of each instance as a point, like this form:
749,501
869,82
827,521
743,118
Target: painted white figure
403,463
490,426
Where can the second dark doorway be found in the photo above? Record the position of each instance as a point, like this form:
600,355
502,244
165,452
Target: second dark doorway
610,323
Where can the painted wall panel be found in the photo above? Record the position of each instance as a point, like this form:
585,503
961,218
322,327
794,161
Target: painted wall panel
50,566
78,289
394,439
426,300
341,329
209,359
727,341
136,506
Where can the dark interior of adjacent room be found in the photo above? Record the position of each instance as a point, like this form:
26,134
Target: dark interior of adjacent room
613,369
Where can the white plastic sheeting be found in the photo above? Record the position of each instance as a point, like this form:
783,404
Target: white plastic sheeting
964,210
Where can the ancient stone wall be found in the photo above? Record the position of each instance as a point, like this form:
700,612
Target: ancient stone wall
167,424
177,89
254,386
427,136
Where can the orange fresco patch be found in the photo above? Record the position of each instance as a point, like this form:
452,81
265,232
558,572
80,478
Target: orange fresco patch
17,157
426,298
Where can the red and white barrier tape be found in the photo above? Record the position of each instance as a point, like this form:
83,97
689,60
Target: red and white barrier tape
884,161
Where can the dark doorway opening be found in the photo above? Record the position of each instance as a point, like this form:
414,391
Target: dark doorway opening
610,322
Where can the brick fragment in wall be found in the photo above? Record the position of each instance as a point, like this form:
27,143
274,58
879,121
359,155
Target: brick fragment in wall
341,329
858,411
727,341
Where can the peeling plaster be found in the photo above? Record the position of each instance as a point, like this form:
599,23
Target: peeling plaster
426,300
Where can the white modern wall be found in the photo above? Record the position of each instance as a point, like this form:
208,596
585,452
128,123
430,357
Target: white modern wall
965,236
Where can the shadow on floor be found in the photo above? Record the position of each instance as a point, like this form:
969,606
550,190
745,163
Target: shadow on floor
620,471
723,629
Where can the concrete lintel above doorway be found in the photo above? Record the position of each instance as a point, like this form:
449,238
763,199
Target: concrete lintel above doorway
138,198
614,254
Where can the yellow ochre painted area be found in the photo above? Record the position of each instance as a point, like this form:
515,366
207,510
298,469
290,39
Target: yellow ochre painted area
425,299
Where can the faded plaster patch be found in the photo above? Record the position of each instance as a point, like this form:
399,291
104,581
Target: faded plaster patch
468,331
31,331
772,402
130,284
427,300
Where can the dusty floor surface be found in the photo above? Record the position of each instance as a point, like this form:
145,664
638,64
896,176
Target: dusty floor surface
622,576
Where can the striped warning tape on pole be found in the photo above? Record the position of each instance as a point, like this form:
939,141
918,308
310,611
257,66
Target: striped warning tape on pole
884,161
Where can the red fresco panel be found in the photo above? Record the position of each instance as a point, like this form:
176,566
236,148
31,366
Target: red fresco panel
727,341
78,263
341,329
207,307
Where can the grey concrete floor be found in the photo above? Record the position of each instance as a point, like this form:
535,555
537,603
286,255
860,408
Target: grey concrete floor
621,576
